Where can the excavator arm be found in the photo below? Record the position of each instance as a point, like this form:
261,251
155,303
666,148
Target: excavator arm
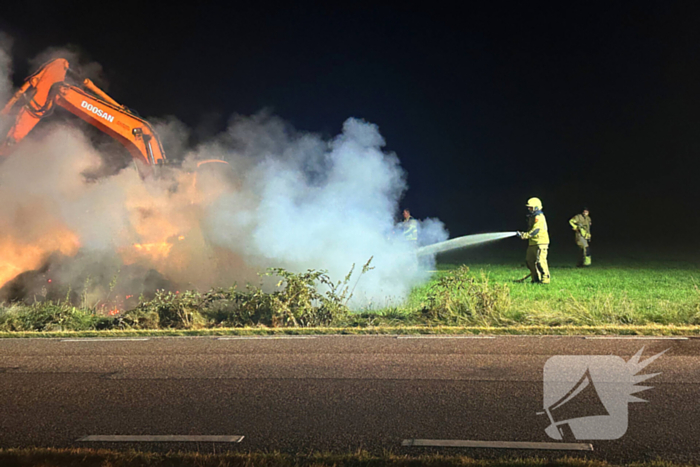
47,88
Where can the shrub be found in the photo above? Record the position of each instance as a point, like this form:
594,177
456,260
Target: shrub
173,310
297,302
50,316
231,307
460,298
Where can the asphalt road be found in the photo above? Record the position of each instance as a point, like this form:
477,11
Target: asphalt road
332,393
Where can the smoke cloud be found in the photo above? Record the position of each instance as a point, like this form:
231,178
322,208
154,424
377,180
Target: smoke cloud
284,199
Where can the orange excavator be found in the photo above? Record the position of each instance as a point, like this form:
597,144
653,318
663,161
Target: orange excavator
48,88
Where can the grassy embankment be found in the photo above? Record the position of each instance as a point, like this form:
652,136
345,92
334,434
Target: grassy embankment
663,293
105,458
620,295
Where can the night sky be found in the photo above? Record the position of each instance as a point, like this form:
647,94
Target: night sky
485,104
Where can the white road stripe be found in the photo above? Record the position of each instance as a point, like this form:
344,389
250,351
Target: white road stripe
263,337
106,339
162,438
444,337
653,338
459,443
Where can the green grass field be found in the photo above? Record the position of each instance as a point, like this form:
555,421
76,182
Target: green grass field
622,287
661,293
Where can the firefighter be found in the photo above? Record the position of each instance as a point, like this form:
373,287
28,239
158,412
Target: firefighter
410,228
538,242
581,223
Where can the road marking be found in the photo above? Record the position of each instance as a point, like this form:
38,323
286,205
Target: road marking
162,438
263,337
459,443
445,337
654,338
108,339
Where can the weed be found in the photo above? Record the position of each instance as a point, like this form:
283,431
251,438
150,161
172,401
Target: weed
461,298
168,310
298,303
49,316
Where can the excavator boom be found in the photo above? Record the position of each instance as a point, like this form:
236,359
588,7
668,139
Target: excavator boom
48,87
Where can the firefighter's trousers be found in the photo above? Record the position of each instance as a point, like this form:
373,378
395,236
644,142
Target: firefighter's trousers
585,249
536,259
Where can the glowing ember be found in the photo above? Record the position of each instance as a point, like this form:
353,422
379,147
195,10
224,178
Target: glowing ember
155,250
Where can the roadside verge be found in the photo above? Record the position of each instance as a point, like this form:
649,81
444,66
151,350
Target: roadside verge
94,458
608,330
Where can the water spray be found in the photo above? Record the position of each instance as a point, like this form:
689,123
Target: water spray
463,242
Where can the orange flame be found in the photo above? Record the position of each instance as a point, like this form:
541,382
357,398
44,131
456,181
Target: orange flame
157,224
17,256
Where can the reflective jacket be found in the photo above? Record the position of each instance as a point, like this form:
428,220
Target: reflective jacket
410,229
537,233
582,224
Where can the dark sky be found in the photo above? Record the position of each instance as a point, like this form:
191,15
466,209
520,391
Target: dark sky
485,104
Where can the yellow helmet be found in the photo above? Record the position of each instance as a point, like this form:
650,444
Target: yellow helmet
534,203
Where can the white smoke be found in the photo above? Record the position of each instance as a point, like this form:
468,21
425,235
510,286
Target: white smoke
309,203
76,56
287,199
